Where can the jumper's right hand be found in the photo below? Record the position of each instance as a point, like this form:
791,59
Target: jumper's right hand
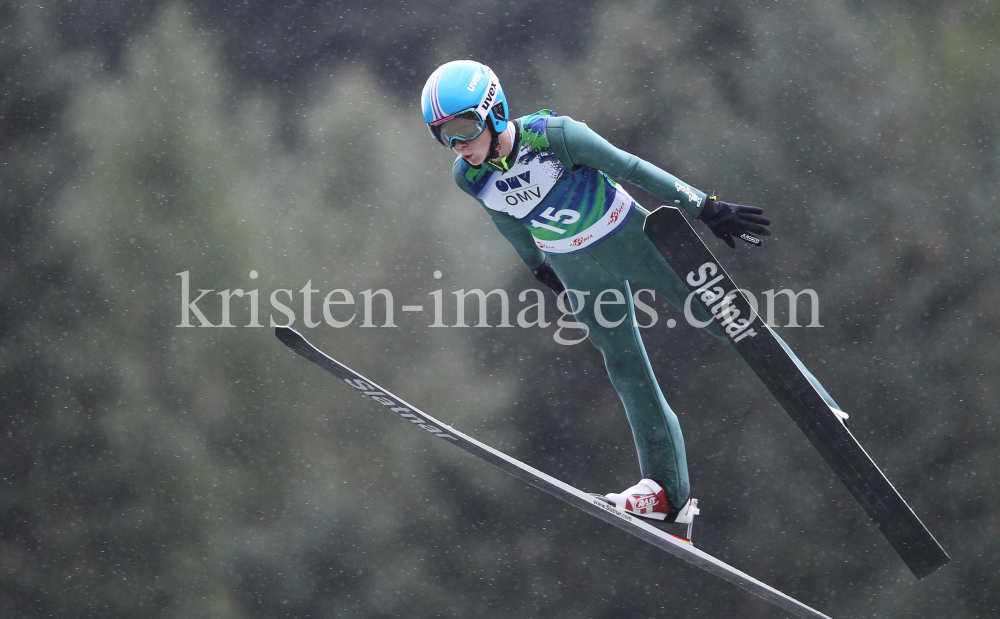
726,220
547,275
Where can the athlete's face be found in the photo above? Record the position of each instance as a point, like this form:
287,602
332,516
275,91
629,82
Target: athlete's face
475,150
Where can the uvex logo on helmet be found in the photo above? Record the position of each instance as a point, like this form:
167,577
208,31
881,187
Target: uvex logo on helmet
475,80
491,93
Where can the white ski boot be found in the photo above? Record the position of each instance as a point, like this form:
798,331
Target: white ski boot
648,500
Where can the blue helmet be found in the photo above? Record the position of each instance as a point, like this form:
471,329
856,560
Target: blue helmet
464,87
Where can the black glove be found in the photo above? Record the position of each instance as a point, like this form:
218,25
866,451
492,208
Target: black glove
727,219
545,274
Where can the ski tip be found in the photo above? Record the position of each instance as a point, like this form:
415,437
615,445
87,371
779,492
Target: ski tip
288,335
658,216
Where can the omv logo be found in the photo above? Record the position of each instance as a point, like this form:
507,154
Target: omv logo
518,189
514,182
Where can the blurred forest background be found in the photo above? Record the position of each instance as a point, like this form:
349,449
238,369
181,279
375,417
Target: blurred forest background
152,471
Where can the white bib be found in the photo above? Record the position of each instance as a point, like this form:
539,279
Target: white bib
523,187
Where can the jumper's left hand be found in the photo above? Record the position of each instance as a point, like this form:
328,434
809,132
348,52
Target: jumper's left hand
726,220
547,275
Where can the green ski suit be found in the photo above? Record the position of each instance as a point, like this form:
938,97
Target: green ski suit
556,200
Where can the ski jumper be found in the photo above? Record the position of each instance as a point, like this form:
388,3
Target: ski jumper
556,200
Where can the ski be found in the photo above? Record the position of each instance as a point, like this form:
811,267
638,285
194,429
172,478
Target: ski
712,288
677,546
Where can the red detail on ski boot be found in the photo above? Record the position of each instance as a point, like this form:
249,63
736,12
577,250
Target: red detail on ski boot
646,499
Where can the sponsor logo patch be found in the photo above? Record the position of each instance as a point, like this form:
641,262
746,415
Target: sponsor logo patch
644,502
396,406
616,213
491,93
684,189
475,80
719,301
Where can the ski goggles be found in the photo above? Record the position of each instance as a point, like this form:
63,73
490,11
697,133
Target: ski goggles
464,126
